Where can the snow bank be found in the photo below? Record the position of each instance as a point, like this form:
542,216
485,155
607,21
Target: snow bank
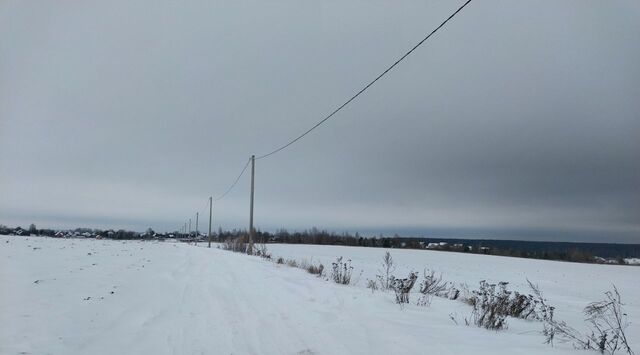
108,297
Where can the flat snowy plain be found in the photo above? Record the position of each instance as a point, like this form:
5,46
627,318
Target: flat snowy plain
75,296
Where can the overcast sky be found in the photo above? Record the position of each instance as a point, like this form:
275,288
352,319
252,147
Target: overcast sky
519,119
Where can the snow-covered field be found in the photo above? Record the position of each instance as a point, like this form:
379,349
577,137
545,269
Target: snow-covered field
568,286
73,296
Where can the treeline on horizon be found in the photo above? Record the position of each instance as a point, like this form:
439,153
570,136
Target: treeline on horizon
565,251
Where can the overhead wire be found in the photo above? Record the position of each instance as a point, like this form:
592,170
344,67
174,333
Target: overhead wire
365,87
339,108
234,182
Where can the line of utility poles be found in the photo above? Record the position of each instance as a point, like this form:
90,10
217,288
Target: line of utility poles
253,158
251,229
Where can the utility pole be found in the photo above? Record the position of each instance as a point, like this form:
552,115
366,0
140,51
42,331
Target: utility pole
210,209
197,213
189,227
253,170
184,229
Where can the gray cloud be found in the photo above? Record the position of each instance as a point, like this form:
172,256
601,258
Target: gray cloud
519,119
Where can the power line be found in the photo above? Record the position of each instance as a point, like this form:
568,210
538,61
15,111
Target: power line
366,86
234,183
352,98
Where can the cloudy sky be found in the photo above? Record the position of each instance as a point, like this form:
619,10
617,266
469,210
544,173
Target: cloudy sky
519,119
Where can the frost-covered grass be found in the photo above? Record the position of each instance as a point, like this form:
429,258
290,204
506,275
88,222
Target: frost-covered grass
106,297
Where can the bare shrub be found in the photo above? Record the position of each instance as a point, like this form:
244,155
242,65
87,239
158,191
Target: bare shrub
385,273
489,304
261,251
341,271
607,322
520,305
493,303
402,287
238,245
432,285
280,260
315,269
541,310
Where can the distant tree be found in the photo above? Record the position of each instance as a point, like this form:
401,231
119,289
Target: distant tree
32,229
46,232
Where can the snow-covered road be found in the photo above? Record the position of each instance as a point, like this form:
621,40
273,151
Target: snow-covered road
108,297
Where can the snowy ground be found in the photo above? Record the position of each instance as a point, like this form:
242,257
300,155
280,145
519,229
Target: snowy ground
568,286
107,297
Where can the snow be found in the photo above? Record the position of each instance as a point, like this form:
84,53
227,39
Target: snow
107,297
568,286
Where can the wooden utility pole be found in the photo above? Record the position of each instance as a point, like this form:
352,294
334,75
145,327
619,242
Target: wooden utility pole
189,227
253,170
197,213
210,209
